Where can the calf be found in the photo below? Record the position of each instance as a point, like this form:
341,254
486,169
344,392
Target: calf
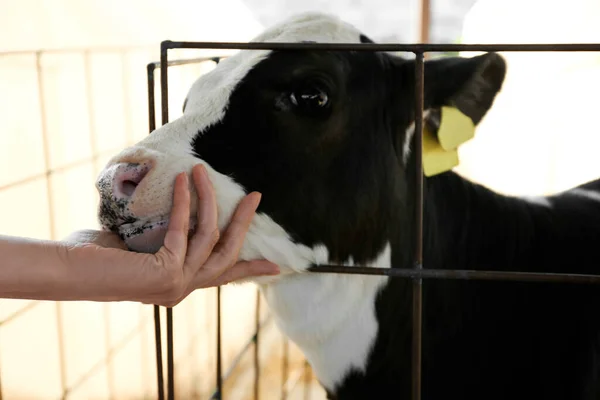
326,137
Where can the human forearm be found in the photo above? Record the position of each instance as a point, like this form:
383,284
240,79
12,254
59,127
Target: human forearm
31,269
50,270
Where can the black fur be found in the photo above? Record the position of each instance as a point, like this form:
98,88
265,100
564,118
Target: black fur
336,176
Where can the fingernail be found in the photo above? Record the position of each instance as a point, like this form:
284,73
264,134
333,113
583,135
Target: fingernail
269,269
185,177
204,172
274,271
257,198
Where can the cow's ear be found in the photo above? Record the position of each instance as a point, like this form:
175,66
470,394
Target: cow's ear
469,84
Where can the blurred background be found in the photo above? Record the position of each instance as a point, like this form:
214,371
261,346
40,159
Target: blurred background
73,92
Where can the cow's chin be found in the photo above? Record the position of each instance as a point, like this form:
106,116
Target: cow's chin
148,236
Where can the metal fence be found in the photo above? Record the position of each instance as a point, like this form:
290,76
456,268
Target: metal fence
416,274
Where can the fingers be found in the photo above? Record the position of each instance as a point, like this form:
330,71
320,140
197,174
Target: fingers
242,270
176,239
226,252
207,232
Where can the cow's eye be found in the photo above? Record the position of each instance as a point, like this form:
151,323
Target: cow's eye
309,98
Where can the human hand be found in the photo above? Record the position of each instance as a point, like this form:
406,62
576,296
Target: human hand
182,264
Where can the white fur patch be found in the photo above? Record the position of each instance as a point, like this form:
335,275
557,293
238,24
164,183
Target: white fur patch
331,317
410,132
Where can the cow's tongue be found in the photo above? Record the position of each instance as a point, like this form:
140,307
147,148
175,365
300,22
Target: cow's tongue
151,238
150,241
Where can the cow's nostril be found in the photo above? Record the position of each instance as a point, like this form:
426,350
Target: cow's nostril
128,187
127,178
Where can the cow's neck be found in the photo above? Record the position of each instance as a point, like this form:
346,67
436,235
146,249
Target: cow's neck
468,226
331,317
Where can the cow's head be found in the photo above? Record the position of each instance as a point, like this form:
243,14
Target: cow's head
322,135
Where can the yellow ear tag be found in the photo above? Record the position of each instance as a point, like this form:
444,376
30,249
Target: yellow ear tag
440,152
435,159
455,129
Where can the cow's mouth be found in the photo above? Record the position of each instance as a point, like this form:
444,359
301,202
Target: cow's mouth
148,236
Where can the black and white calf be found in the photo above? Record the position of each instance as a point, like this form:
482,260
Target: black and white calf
326,138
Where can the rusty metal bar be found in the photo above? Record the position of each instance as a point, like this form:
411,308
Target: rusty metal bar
187,61
461,274
157,331
256,347
417,284
219,344
219,350
388,47
170,356
164,103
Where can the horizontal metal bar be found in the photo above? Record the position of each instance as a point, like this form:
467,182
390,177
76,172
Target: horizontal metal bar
419,47
459,274
186,61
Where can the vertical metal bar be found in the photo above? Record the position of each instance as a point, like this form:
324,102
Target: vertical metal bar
285,367
164,103
219,352
417,285
219,371
164,86
170,356
159,362
151,109
256,346
157,332
52,223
